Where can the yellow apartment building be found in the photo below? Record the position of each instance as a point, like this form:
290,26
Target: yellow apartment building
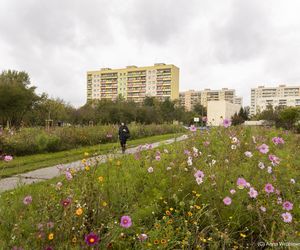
134,83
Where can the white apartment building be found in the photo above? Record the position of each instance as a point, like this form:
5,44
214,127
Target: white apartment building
189,98
283,95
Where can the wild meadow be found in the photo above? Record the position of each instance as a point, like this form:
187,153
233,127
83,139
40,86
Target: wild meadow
226,188
28,141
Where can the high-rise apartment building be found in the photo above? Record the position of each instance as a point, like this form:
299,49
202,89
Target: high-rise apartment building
217,95
283,95
238,100
189,98
134,83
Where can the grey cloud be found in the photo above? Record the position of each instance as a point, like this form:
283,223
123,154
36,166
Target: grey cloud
216,44
156,21
243,33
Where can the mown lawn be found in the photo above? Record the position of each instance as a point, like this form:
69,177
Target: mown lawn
217,190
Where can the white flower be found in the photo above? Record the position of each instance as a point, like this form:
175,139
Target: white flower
261,165
189,161
213,162
199,180
293,181
150,169
263,209
169,168
269,170
195,150
234,140
248,154
233,147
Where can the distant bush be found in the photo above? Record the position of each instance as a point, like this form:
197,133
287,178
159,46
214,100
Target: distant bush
36,140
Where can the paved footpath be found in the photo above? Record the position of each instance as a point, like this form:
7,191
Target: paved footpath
48,173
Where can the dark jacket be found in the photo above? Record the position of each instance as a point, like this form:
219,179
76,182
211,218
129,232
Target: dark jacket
124,133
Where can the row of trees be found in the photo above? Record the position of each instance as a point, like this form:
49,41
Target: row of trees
282,117
19,104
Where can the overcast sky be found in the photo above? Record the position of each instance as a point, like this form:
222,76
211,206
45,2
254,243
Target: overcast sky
227,43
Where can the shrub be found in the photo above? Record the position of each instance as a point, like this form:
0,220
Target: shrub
36,140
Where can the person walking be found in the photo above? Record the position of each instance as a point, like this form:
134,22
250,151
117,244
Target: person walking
124,134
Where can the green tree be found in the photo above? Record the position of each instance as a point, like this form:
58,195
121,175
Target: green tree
288,117
17,97
200,110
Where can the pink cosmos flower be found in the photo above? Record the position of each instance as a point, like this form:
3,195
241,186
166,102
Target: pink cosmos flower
157,157
199,174
27,200
125,221
206,143
232,191
287,217
287,205
263,148
92,239
8,158
150,170
274,159
193,128
277,140
226,123
187,152
269,188
253,193
69,175
66,202
241,183
227,201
